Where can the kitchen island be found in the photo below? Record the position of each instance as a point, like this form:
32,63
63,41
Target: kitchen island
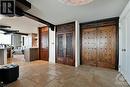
3,56
31,54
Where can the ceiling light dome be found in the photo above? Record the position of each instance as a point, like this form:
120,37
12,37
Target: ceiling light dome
75,2
1,16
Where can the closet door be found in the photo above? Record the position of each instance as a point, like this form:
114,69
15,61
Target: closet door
60,48
123,47
69,48
99,46
89,46
127,49
65,38
106,46
65,51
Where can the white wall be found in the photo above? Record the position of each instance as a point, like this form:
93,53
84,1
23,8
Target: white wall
77,44
5,39
128,47
51,46
124,43
23,24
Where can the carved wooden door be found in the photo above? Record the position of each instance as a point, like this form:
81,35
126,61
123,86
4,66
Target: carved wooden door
60,48
65,43
64,47
99,46
106,46
89,47
69,48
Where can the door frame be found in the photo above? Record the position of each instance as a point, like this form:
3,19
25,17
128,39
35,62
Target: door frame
61,33
40,39
97,23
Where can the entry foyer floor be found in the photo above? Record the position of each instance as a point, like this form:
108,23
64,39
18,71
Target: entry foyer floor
43,74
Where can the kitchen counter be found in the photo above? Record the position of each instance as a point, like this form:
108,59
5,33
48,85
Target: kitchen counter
3,56
31,54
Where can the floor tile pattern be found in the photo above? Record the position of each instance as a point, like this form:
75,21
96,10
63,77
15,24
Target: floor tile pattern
43,74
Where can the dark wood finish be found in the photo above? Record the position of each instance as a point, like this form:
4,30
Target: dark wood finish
31,54
38,19
107,43
106,46
65,38
34,54
9,52
23,4
99,23
89,47
117,45
20,10
43,43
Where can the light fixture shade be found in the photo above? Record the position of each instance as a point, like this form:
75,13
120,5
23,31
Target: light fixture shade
75,2
1,16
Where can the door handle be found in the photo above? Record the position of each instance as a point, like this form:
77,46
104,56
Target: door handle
124,50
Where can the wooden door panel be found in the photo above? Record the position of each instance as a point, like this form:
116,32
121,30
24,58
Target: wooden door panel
69,48
44,55
69,45
99,46
89,49
60,48
65,43
43,43
106,46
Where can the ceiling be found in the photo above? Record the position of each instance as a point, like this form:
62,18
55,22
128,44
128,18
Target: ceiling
56,12
23,24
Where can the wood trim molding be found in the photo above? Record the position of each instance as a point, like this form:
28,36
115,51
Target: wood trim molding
39,20
99,23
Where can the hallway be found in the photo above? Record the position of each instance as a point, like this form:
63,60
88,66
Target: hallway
42,74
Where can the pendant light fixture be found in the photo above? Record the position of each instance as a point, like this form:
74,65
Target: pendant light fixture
75,2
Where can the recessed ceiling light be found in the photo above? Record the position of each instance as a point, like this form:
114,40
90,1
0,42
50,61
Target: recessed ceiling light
75,2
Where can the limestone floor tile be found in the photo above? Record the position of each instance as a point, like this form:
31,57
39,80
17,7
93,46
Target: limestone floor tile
43,74
23,83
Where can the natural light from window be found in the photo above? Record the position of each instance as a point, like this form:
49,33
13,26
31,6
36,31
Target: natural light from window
5,39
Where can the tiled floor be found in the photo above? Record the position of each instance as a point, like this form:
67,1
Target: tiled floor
16,58
42,74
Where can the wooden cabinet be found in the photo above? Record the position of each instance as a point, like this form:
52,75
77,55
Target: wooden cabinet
34,40
99,44
43,43
30,41
31,54
65,44
9,53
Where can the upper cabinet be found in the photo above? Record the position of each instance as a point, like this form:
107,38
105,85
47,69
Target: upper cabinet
30,41
34,40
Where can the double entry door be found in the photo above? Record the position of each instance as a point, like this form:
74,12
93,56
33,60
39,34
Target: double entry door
65,48
99,46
